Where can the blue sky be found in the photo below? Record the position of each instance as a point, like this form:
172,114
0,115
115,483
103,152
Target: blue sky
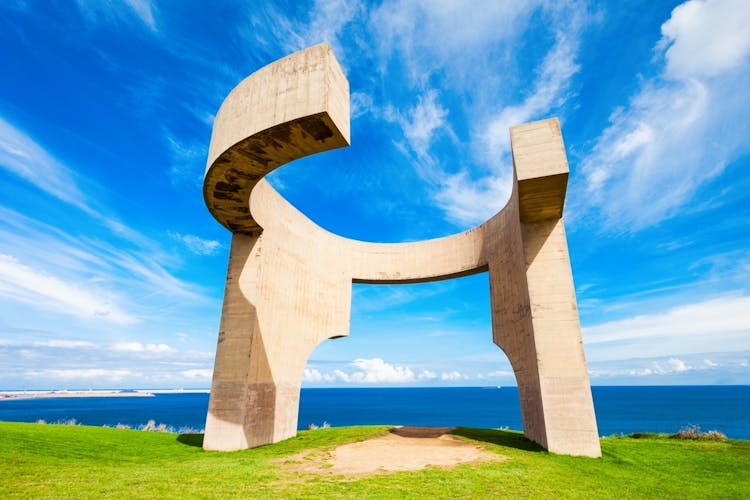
112,269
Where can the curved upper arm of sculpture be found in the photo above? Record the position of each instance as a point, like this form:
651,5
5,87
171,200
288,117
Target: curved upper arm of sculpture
298,106
294,107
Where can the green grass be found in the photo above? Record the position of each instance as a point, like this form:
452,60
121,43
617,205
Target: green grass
77,461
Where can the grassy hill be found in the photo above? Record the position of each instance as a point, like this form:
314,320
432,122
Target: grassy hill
78,461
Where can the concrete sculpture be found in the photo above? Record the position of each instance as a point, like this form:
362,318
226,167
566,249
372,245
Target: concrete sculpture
289,282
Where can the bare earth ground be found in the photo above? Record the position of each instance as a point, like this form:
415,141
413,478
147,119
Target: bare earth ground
403,448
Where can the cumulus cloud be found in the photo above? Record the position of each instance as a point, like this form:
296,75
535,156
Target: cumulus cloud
366,371
706,38
377,371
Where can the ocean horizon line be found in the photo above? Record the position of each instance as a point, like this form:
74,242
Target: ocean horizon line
182,390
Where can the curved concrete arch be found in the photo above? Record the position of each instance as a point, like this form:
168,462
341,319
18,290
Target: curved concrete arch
289,280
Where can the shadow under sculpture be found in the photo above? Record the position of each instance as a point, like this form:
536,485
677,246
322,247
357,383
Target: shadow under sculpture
289,282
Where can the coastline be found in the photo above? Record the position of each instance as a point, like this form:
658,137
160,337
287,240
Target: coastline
13,395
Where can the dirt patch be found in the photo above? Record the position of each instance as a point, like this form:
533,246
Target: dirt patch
403,448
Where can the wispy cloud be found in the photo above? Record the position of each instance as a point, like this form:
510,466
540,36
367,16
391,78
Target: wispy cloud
83,363
23,283
421,122
433,37
196,244
46,267
137,347
439,44
80,374
327,19
188,161
24,157
689,328
118,12
674,135
198,374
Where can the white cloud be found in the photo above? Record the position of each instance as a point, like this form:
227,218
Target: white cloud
367,371
466,201
187,160
361,104
80,374
327,19
65,344
431,36
196,244
314,375
722,322
202,374
672,366
23,283
673,136
142,348
465,47
377,371
421,121
108,270
706,38
500,373
57,343
550,89
143,9
676,365
714,317
452,376
24,157
118,11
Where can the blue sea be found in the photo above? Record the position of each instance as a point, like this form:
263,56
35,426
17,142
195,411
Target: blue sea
618,409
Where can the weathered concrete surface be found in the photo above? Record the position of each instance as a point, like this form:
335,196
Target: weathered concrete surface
289,281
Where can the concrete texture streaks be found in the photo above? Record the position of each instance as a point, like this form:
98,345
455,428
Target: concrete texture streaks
289,281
